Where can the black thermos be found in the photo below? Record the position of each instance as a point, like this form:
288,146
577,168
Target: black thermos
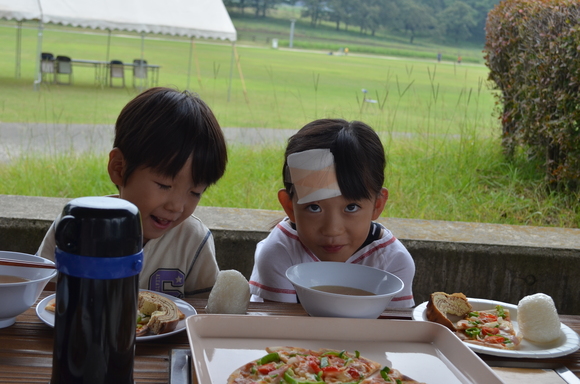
99,254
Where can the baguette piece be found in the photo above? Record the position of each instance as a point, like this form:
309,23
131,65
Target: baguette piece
441,304
164,313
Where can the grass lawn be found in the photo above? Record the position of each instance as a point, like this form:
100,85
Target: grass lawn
269,88
436,119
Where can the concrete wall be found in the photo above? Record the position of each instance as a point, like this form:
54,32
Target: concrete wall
500,262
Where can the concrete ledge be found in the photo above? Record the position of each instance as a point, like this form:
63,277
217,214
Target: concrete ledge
501,262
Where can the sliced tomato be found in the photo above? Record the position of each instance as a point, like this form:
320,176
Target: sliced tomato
353,373
494,339
330,369
266,368
487,317
489,331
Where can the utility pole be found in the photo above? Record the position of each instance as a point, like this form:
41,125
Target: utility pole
292,22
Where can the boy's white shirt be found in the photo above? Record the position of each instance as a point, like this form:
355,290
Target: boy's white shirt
181,262
282,249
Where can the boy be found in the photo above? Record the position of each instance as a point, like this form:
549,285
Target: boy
168,149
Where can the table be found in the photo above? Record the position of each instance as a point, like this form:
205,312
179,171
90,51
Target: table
102,70
99,66
26,347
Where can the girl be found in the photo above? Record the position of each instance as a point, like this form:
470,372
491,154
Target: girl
333,178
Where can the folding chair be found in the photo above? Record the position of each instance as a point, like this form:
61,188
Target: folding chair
46,66
63,67
116,71
140,71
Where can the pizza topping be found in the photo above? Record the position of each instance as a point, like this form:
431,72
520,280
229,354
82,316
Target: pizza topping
290,365
491,328
273,356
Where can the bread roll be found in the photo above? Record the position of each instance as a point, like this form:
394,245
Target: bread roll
538,318
230,294
164,313
441,304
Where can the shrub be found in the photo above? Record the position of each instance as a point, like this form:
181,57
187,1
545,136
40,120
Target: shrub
533,52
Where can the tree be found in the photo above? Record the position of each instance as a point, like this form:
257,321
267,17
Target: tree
340,11
240,4
262,6
415,18
458,19
315,10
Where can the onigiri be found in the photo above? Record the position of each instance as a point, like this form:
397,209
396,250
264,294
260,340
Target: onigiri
538,319
230,294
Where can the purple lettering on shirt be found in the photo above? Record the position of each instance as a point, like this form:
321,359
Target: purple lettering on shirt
167,281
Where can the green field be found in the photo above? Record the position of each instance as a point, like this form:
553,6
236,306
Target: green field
436,119
269,88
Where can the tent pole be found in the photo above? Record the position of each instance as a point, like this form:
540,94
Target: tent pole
189,65
103,76
108,46
231,70
38,77
18,48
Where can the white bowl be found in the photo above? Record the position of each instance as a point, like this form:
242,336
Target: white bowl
16,298
383,284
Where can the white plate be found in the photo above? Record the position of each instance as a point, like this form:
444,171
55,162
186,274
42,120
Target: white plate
427,352
568,342
48,317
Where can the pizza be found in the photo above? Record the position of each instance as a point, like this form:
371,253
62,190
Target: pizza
293,365
490,328
391,376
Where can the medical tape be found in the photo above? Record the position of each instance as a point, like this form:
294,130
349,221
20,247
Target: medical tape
314,175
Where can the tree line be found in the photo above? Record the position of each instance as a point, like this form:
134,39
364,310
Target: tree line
445,20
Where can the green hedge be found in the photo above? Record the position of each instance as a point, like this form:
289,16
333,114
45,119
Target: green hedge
533,52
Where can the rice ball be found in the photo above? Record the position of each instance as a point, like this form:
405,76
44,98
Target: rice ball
230,294
538,319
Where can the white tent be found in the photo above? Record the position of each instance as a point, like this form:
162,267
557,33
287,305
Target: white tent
191,18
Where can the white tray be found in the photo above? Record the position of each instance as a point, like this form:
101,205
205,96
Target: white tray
426,352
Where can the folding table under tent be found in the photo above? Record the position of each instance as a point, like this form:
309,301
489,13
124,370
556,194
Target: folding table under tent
191,18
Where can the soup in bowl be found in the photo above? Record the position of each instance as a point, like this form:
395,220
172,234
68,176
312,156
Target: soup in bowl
20,287
333,289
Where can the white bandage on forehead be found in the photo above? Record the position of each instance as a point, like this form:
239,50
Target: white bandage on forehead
313,175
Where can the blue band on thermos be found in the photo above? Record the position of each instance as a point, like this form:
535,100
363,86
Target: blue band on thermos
100,268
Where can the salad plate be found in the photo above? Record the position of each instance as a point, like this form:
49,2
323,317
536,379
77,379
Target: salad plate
566,344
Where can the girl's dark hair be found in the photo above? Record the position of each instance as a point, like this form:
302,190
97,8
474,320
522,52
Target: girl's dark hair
162,128
359,156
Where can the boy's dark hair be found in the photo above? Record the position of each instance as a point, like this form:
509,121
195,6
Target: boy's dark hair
162,127
359,156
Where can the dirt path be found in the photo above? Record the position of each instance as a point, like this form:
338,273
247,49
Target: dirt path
16,138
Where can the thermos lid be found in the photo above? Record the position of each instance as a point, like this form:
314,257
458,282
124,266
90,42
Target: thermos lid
100,227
